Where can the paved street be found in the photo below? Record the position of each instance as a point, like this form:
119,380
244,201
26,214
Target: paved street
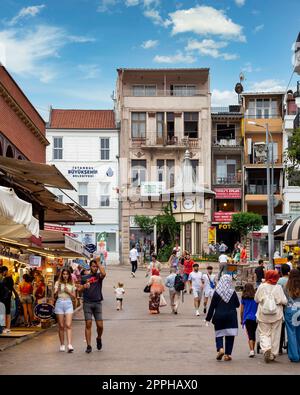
136,343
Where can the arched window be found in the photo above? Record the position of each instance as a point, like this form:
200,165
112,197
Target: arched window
9,152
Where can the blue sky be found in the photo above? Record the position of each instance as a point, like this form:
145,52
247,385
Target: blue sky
65,53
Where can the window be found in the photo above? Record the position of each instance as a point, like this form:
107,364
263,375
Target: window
138,172
104,149
170,126
83,194
295,208
195,166
144,90
226,171
138,125
160,127
57,148
104,194
111,244
166,172
191,124
225,134
263,108
183,90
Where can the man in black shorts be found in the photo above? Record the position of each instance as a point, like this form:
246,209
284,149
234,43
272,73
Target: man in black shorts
8,284
91,284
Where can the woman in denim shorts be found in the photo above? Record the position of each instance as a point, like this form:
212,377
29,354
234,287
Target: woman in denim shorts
64,290
26,298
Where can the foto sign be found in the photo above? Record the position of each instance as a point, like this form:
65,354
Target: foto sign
228,193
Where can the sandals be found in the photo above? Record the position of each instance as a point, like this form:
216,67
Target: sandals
220,354
227,358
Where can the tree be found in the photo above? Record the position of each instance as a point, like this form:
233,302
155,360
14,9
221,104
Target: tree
245,223
292,158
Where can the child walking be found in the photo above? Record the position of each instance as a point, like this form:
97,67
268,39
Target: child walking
248,316
119,291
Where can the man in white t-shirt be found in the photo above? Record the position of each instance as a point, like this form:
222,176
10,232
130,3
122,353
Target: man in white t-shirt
223,261
209,285
133,256
196,278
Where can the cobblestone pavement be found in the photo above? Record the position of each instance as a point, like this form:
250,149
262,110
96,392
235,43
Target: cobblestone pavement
135,342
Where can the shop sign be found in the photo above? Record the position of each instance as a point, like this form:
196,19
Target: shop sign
256,235
5,251
224,226
83,171
73,245
212,235
228,193
44,311
152,188
57,228
223,217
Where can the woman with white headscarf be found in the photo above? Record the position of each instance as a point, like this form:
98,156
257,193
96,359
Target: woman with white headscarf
223,314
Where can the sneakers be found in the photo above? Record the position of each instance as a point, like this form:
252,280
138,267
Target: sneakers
133,274
88,349
251,354
197,313
62,348
70,348
99,343
6,330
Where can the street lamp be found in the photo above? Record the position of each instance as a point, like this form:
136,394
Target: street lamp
269,192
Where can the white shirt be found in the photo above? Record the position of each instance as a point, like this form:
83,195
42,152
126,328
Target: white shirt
223,258
119,293
133,254
196,278
290,265
207,282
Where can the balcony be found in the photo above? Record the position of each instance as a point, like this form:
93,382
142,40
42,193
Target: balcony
251,161
228,146
165,93
229,180
234,109
171,142
253,189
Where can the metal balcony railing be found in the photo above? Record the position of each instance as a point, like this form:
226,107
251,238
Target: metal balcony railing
154,141
165,93
253,189
227,109
229,180
250,160
227,143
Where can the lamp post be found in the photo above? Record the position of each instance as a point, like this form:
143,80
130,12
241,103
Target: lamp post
270,192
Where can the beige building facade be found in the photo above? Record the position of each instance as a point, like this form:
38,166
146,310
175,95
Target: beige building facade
165,150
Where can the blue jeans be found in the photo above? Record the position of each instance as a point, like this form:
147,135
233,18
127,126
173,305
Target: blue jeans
292,322
229,341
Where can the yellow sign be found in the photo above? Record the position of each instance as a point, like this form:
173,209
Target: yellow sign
224,226
280,261
212,235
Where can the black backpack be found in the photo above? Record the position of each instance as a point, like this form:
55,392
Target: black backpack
179,283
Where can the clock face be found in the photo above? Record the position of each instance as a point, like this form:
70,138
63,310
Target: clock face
188,204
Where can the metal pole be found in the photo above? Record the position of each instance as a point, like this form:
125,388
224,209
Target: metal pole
270,205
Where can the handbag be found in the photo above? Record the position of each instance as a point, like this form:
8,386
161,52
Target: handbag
147,289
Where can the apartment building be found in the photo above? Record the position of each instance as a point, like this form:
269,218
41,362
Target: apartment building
164,143
261,109
227,176
84,146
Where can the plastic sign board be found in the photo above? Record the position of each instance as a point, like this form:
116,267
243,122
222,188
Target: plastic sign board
44,311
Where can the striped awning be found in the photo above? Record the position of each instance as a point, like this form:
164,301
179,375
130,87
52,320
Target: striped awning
292,234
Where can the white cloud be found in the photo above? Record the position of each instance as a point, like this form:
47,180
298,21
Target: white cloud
248,68
131,3
270,85
89,71
27,52
205,20
156,18
258,28
105,5
149,44
179,57
26,12
210,48
240,3
223,98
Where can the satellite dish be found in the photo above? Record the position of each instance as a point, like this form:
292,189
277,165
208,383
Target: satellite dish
239,88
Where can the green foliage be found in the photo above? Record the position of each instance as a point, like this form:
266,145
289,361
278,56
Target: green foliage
245,223
145,223
165,253
292,156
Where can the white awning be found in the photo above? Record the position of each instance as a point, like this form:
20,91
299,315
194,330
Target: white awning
16,219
